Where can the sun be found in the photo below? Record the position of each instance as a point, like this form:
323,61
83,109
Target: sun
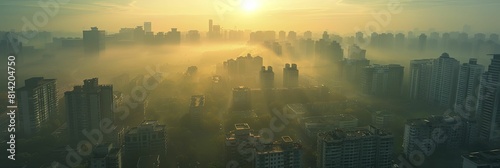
250,5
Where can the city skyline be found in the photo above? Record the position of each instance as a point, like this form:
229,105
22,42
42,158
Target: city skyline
250,83
339,16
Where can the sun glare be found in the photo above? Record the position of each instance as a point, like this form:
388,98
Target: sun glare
250,5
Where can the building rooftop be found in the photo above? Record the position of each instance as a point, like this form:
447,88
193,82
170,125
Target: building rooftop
352,133
35,82
286,143
147,126
241,88
383,114
484,157
286,139
241,126
329,118
431,121
197,101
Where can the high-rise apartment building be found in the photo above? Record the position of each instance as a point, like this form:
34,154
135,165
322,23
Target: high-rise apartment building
87,106
359,147
282,153
383,80
37,102
149,138
488,104
468,85
290,76
94,41
266,77
444,81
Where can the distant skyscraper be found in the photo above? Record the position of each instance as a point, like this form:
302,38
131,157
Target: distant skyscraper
292,36
267,77
290,76
399,41
94,41
488,106
174,36
444,81
214,31
359,39
383,80
37,104
352,70
308,35
243,66
422,42
147,27
468,84
282,35
325,36
420,79
210,25
193,36
494,38
355,147
355,52
328,53
87,106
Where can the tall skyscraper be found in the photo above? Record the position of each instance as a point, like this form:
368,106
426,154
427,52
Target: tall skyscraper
267,77
147,27
290,76
87,106
37,104
444,81
214,31
356,147
94,41
383,80
488,106
468,84
420,79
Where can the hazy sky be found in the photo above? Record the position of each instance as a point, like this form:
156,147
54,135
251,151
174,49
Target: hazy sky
341,16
